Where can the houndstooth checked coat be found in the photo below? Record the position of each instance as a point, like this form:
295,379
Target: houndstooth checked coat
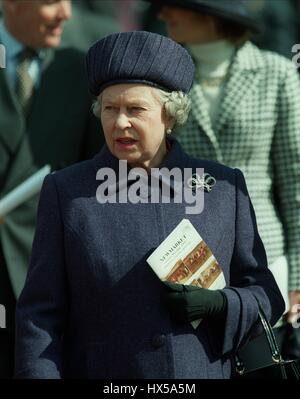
258,131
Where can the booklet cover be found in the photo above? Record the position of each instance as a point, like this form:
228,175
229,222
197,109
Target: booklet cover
184,258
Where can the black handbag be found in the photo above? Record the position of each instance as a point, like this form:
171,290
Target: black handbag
277,368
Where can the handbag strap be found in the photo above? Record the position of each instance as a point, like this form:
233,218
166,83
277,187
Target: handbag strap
273,346
272,343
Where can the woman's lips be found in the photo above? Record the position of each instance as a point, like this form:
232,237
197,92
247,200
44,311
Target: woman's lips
126,143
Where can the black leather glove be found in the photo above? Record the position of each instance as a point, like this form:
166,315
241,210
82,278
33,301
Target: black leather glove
187,303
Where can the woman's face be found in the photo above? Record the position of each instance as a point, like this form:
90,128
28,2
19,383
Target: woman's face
188,26
133,120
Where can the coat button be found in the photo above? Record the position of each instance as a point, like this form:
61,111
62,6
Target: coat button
159,340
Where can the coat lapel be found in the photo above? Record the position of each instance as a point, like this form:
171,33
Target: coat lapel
15,133
12,122
200,109
201,116
40,95
242,79
176,158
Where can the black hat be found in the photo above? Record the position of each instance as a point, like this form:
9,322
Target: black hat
139,57
232,10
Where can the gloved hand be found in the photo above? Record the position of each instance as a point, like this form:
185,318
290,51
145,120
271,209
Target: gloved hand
187,303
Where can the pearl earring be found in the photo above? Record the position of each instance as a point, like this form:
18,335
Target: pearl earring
169,130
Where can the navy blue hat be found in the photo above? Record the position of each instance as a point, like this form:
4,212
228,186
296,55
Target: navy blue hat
232,10
139,57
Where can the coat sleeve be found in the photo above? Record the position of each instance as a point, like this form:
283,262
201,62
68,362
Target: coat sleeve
250,278
42,306
285,160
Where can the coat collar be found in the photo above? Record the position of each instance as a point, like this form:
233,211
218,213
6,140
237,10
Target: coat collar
248,58
242,79
12,122
200,114
176,158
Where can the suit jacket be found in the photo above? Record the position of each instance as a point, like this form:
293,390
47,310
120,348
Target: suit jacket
257,131
91,306
60,130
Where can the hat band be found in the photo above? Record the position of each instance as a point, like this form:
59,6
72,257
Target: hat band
129,80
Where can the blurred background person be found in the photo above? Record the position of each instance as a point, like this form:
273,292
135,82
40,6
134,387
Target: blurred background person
279,22
45,118
91,19
245,114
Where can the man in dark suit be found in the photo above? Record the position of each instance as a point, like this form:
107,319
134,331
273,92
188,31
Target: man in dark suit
45,119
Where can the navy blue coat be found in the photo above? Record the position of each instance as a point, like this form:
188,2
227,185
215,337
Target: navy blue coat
91,306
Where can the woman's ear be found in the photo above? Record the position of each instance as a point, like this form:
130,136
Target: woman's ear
170,123
169,126
168,120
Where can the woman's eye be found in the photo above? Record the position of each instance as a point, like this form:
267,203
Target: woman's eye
137,109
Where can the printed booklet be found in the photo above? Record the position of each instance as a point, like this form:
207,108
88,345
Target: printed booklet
184,258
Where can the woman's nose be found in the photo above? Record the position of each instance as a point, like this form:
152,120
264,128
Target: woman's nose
122,121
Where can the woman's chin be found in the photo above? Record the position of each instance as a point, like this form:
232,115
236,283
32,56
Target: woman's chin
126,156
132,161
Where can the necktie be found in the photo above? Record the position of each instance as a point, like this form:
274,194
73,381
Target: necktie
24,82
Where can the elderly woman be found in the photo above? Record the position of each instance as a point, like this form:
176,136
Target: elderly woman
92,307
245,114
